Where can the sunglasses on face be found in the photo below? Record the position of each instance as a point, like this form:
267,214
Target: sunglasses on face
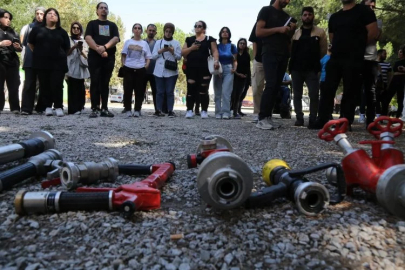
75,28
198,26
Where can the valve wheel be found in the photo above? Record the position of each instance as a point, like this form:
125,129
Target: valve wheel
385,124
333,128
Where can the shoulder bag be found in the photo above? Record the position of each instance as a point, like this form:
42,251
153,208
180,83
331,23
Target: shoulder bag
211,62
170,65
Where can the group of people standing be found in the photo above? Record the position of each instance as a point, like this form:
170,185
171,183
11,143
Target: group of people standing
351,56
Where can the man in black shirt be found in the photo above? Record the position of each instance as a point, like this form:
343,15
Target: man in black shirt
101,36
275,28
309,45
350,30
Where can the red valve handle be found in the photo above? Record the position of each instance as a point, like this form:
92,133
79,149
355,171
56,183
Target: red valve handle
333,128
376,128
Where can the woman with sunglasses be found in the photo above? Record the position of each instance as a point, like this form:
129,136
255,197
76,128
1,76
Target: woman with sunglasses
167,52
242,74
223,83
78,71
9,62
197,49
50,44
135,59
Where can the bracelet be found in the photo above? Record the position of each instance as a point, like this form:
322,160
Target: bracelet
105,47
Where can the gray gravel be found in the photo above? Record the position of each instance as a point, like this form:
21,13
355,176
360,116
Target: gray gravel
356,234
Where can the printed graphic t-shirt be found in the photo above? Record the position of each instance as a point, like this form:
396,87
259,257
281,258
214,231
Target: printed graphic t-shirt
137,51
102,32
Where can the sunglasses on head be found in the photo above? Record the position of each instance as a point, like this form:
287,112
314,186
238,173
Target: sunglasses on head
198,26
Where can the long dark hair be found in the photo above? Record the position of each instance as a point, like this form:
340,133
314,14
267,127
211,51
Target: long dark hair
46,12
246,50
3,12
229,32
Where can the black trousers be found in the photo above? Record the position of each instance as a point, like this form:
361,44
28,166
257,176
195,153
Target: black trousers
336,70
100,73
395,87
76,95
244,93
369,75
51,88
151,79
197,92
29,91
10,75
238,87
274,66
134,81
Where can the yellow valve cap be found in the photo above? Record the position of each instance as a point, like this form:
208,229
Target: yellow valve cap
270,166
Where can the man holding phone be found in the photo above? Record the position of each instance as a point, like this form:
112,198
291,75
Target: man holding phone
275,27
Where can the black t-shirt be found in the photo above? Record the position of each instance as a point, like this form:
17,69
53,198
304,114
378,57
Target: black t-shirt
398,64
303,57
258,42
349,32
8,55
199,57
277,43
243,63
50,48
102,32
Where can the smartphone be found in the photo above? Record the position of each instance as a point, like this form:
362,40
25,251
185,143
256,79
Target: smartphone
80,42
166,46
197,42
15,40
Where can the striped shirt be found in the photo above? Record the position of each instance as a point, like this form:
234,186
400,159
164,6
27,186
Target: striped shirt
385,68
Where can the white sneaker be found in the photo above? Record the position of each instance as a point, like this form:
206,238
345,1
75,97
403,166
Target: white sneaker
218,116
137,113
78,113
255,118
59,112
48,111
362,119
265,124
128,114
190,114
204,115
226,117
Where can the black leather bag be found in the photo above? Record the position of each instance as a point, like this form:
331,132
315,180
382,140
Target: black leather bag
170,65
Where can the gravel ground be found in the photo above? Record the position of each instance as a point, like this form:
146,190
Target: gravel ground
356,234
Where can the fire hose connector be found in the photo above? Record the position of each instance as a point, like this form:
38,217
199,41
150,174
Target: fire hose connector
224,181
71,174
209,145
311,198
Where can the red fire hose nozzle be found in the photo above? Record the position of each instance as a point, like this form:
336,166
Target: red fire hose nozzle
138,196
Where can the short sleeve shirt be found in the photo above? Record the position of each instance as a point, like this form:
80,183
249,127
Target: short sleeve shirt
136,51
258,42
349,32
50,47
226,52
199,57
276,43
102,32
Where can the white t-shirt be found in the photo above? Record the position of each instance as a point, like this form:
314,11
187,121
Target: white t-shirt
137,52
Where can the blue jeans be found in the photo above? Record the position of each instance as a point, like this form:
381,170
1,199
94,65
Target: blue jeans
165,85
223,86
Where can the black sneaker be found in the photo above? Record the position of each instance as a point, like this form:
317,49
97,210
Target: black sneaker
242,114
93,114
299,123
172,114
159,114
124,111
106,113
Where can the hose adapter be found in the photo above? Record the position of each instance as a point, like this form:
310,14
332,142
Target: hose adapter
224,180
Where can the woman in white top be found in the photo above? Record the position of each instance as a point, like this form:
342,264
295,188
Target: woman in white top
166,52
78,69
135,58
